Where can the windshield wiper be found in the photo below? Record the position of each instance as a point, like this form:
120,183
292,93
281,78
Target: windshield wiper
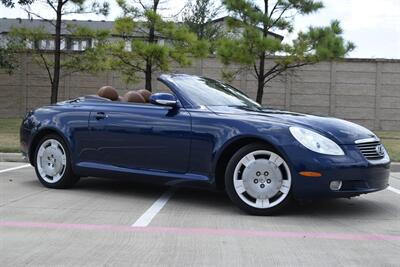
249,108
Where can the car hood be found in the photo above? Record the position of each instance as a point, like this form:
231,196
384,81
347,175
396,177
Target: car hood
341,131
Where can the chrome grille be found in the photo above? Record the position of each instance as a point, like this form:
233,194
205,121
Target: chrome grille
372,150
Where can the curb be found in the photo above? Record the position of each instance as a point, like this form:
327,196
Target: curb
12,157
17,157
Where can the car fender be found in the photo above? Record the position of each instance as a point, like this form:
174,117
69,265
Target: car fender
272,140
42,125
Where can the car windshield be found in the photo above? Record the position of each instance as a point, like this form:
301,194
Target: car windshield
209,92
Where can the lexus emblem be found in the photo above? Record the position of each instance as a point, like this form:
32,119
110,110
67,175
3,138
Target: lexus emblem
380,150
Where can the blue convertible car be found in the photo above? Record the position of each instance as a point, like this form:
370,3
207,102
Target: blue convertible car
204,133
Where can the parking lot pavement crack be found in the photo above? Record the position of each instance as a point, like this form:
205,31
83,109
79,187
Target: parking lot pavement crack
23,197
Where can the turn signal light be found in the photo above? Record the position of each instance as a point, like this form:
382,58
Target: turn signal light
310,174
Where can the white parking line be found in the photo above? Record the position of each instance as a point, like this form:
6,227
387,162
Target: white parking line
149,214
395,190
15,168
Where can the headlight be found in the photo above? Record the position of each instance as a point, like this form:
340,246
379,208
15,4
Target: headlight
315,141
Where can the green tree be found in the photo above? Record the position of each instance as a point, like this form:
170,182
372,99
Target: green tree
8,56
198,16
92,59
150,43
251,42
60,9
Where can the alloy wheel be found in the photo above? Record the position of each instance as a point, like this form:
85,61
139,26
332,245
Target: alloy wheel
262,179
51,161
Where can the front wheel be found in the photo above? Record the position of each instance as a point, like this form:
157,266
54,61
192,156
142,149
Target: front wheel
53,164
258,180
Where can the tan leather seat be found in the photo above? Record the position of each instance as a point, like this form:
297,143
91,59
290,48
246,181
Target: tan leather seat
108,92
146,94
134,96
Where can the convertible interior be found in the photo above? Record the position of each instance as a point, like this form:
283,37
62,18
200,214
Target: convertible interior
133,96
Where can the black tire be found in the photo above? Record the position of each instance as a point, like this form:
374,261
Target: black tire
234,196
68,178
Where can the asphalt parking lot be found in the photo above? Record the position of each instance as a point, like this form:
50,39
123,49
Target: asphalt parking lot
121,223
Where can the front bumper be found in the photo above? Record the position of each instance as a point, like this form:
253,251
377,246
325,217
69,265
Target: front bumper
355,181
358,175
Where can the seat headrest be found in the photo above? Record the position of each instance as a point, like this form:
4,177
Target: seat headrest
134,96
108,92
146,94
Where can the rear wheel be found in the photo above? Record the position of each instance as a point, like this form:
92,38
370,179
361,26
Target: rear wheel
52,163
258,180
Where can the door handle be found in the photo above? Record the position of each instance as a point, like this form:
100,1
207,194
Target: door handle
100,116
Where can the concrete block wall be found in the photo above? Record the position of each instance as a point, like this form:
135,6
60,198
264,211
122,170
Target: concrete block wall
365,91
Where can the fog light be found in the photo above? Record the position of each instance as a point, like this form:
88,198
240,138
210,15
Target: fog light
335,185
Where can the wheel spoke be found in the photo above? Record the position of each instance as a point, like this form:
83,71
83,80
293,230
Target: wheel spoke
284,190
285,183
41,170
276,159
63,160
239,186
41,151
262,203
56,177
248,159
53,144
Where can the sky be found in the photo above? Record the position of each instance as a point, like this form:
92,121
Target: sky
374,26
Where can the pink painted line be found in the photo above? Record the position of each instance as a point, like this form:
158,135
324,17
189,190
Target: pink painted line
198,231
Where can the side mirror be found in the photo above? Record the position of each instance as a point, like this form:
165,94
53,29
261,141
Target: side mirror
163,99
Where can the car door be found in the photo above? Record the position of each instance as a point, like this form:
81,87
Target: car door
141,136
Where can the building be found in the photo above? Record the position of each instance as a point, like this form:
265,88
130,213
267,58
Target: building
71,43
68,41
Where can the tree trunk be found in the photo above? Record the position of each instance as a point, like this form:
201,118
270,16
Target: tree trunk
261,68
260,79
148,75
260,93
151,39
57,55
